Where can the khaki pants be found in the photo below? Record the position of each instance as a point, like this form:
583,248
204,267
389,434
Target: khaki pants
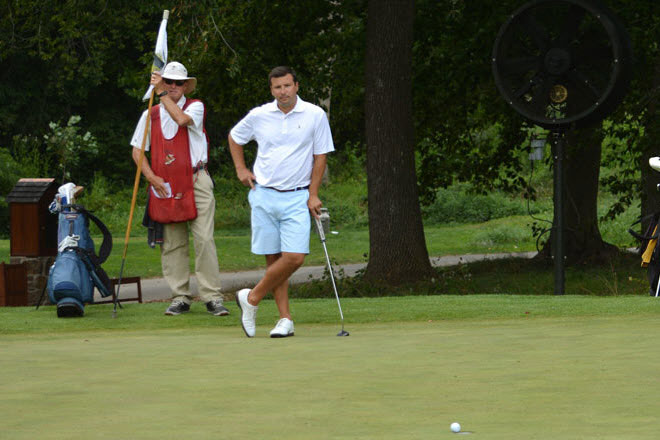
175,251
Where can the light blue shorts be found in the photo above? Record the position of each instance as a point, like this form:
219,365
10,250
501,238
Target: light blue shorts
280,221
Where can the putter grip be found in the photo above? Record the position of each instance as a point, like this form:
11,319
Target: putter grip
166,14
319,227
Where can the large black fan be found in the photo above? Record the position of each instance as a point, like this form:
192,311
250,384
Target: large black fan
562,63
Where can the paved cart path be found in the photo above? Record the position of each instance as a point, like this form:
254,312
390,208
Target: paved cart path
156,289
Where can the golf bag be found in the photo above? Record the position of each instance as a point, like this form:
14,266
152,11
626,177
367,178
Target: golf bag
649,249
77,268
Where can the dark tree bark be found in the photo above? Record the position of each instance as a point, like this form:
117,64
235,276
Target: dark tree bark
397,249
582,239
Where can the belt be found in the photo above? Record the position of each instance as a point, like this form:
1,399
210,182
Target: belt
200,166
300,188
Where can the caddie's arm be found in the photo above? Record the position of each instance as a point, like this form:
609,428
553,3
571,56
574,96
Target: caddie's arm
156,181
181,118
318,168
238,156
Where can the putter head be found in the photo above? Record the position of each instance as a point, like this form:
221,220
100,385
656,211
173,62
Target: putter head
343,333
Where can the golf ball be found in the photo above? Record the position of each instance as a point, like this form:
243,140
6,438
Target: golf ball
455,427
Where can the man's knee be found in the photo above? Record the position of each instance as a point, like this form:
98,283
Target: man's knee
294,259
272,258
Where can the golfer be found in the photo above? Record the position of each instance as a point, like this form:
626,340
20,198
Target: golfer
181,190
293,138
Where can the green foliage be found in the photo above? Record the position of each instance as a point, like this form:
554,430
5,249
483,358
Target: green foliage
85,58
636,123
65,58
621,154
9,172
9,175
465,130
500,235
621,276
458,204
345,195
232,207
65,145
62,150
112,205
231,47
100,197
22,160
29,157
615,229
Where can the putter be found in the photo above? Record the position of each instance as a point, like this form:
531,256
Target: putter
319,228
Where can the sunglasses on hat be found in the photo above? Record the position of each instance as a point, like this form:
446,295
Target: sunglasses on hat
178,82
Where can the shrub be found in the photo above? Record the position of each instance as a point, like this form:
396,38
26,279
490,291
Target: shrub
232,209
501,234
456,204
65,145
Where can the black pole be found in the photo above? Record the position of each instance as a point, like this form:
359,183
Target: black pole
558,251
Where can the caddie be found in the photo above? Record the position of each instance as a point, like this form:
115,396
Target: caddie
181,188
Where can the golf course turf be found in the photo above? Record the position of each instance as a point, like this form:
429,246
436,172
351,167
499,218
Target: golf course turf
574,367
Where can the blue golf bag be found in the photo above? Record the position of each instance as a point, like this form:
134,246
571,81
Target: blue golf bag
77,268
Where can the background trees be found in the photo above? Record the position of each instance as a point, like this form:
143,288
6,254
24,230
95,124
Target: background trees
74,58
90,58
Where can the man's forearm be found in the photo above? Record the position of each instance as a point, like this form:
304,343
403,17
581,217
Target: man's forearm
237,154
178,115
318,168
147,172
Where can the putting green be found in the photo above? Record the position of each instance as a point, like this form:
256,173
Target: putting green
544,378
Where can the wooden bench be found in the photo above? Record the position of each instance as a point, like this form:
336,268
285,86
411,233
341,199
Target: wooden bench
127,280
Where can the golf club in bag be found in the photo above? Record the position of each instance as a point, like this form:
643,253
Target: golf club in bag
77,269
319,228
651,241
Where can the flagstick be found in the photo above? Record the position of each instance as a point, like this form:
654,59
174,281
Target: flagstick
136,184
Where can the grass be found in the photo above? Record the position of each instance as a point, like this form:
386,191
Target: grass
349,246
622,276
453,224
503,366
148,317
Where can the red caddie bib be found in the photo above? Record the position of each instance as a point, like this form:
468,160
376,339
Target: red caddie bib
170,159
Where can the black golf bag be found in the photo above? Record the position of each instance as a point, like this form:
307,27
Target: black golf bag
649,250
77,268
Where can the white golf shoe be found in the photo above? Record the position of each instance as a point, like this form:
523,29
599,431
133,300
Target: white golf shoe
248,312
283,328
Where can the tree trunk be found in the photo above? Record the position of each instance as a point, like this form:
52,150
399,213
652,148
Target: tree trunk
582,239
397,249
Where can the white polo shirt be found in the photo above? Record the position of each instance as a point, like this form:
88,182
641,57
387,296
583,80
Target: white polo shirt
196,137
287,142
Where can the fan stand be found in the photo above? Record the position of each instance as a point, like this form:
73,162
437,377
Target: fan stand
558,249
562,64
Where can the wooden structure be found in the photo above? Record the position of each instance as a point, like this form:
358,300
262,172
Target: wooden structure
127,280
13,285
32,228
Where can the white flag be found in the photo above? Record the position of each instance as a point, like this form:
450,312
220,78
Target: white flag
160,54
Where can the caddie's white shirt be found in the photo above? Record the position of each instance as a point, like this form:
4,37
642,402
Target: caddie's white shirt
287,142
196,137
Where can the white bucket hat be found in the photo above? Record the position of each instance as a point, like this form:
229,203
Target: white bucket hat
175,70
